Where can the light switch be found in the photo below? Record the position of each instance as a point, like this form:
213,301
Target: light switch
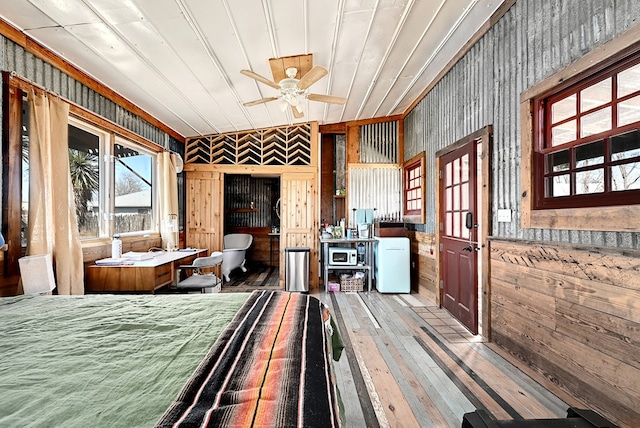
504,216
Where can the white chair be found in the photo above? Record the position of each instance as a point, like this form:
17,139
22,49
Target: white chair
207,282
234,252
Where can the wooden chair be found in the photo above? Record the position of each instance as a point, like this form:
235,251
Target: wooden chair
207,282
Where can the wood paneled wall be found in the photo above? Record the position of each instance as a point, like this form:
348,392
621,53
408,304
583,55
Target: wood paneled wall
573,314
298,182
424,265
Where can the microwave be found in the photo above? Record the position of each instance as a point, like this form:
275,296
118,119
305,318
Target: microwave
343,256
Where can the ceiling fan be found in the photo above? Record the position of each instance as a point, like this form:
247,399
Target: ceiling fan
293,91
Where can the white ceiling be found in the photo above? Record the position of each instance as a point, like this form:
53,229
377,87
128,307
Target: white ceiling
180,60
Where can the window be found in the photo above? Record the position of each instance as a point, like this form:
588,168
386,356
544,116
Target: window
127,174
133,178
85,145
100,169
414,187
587,148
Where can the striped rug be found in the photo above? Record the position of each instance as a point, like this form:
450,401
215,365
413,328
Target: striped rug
271,367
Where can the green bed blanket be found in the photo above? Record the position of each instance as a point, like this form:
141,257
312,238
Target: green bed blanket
102,360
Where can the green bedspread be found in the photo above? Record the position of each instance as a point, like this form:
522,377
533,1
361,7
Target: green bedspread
102,360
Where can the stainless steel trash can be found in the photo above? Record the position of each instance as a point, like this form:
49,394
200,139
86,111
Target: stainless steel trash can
297,269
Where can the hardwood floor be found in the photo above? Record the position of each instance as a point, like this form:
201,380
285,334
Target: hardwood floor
408,363
258,276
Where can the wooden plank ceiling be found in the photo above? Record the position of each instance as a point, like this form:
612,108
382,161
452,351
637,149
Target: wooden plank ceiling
180,60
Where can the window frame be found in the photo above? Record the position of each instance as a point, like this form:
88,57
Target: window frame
543,144
605,218
104,138
155,221
106,212
414,215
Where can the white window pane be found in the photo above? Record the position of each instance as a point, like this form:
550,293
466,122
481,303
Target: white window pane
84,166
465,231
456,197
456,224
596,122
564,133
456,171
558,186
464,196
590,182
133,190
595,95
629,81
465,168
563,109
625,177
625,146
558,161
629,111
590,154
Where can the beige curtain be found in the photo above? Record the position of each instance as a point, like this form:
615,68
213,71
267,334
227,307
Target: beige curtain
53,227
168,204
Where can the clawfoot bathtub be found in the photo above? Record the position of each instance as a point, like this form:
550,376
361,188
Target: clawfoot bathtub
233,254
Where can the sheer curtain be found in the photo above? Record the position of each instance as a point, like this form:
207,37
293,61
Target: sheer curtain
168,194
53,226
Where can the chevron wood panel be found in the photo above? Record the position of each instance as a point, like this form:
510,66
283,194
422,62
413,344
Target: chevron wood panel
287,145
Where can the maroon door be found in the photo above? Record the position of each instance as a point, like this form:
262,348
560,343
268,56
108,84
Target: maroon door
458,234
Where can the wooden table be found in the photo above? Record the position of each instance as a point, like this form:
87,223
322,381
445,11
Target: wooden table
141,276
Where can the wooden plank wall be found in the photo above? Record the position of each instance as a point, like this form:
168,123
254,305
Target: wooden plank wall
424,265
573,314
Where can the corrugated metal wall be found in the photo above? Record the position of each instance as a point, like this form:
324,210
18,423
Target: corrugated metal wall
530,42
379,142
243,191
387,183
16,59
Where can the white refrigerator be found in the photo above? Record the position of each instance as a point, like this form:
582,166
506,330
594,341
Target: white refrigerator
392,265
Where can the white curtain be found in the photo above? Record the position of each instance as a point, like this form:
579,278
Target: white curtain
168,194
53,226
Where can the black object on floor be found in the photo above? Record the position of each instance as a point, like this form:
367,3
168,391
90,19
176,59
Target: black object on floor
576,418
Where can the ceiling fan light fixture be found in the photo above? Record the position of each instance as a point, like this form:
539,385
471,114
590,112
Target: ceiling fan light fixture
283,105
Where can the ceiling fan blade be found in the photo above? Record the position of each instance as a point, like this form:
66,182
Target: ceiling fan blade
296,113
326,99
259,78
260,101
315,74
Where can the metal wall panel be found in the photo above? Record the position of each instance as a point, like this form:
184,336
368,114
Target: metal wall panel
15,59
379,142
241,192
530,42
377,188
27,66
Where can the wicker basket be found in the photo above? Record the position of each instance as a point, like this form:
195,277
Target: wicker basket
351,284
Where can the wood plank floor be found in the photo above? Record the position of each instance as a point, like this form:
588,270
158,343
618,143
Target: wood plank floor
408,363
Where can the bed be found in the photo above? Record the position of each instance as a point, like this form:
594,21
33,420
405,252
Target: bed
230,359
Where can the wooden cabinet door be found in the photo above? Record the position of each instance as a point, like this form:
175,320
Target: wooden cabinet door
299,219
204,202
